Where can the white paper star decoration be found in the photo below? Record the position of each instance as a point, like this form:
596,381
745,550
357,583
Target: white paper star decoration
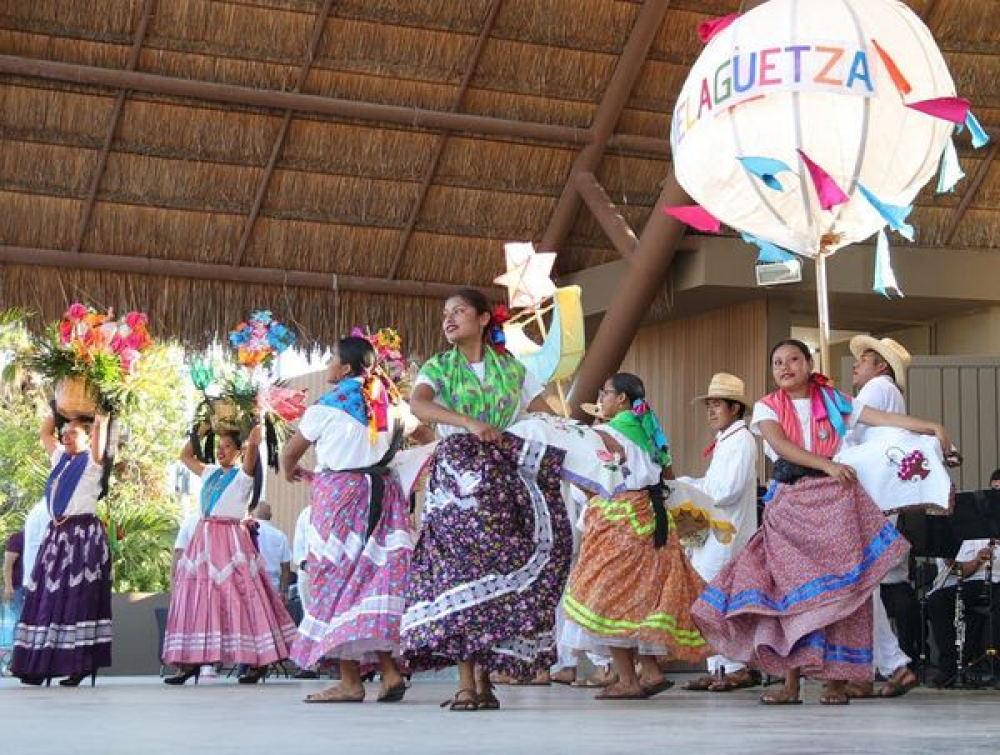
527,277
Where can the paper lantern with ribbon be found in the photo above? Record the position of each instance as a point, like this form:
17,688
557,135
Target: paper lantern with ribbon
808,125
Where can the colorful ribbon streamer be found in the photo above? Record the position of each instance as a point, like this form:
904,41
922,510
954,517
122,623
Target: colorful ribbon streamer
830,195
766,169
885,279
769,253
894,215
696,217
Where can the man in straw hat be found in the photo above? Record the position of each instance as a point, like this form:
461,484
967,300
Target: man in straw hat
879,380
731,480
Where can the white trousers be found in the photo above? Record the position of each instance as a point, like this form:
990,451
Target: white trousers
888,656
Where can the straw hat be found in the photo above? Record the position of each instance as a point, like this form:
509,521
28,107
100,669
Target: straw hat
891,351
594,410
726,387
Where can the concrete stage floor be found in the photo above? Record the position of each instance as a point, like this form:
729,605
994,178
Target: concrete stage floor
141,715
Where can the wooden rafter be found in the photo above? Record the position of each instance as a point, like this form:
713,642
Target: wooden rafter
208,271
970,193
477,51
604,211
282,135
109,135
616,96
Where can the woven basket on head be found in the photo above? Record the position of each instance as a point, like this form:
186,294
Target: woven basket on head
74,398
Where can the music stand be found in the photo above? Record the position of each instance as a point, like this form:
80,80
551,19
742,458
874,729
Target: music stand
975,516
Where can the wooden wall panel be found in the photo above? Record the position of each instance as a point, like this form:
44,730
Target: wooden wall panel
676,361
964,394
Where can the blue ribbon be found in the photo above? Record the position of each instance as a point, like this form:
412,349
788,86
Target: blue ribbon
768,252
766,168
979,136
894,215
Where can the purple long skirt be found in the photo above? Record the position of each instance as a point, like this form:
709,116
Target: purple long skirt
492,558
65,627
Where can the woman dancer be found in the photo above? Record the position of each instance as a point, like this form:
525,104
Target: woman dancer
65,626
223,608
495,543
359,537
632,588
797,600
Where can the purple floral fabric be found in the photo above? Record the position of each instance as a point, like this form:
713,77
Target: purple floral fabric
492,558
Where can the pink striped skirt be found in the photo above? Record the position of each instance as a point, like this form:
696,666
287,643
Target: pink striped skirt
223,608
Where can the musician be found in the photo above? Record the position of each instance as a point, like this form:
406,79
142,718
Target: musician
879,378
995,480
974,559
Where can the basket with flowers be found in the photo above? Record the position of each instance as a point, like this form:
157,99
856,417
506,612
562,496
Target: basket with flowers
390,359
92,359
236,395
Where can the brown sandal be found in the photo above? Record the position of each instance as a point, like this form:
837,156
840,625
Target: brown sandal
701,684
470,701
897,686
860,690
487,700
611,693
731,682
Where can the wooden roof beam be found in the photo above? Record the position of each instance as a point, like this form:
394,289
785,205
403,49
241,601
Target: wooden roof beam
116,115
477,52
279,139
294,101
616,96
264,276
607,215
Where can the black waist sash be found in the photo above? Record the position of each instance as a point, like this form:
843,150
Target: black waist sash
657,496
376,474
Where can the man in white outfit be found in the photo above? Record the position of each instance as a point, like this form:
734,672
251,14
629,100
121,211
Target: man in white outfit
731,480
879,377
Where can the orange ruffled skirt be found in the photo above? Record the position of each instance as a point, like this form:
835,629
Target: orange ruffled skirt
625,592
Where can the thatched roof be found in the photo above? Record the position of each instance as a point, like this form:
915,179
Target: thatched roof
253,177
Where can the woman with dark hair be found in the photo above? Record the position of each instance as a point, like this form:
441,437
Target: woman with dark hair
797,599
65,626
223,608
632,587
495,542
358,538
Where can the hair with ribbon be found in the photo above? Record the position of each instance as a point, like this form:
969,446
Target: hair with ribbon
493,334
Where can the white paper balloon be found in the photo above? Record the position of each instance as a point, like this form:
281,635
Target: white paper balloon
815,76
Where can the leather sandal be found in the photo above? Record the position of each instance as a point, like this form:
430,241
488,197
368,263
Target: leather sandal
463,700
899,684
701,684
780,698
743,679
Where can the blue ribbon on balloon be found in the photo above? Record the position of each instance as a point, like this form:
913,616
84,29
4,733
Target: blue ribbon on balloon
766,169
885,279
769,253
894,215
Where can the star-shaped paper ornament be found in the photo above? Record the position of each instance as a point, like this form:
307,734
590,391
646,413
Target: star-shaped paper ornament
527,277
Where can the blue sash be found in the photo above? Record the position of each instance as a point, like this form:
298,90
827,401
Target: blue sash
214,487
63,481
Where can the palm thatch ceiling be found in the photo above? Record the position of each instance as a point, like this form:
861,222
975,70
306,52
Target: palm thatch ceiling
347,161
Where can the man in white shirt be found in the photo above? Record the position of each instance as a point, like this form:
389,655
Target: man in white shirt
731,480
879,375
972,562
36,523
274,548
184,535
300,552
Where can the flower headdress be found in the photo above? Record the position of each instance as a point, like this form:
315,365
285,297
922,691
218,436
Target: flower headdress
494,329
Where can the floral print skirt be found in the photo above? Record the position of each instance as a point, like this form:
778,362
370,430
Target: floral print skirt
491,560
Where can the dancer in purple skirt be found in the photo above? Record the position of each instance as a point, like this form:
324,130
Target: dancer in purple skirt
359,537
495,543
65,626
797,600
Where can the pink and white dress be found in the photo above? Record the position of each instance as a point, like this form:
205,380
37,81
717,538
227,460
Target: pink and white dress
223,608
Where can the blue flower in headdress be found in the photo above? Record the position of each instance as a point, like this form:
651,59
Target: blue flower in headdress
240,336
262,315
280,337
